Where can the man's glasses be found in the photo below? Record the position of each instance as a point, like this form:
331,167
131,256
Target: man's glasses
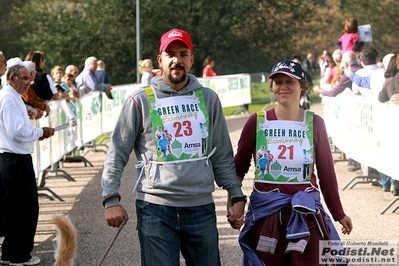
26,80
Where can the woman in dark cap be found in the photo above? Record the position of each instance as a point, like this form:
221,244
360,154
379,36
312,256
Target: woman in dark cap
285,219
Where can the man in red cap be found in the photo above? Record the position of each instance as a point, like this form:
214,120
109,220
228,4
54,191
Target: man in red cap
175,35
174,203
176,58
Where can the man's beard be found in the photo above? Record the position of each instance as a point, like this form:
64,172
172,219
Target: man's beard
177,80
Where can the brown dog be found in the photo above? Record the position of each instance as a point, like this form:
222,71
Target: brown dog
66,241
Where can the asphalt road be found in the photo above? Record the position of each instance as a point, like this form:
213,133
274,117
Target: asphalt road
82,203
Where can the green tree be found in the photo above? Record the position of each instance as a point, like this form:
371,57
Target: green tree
11,28
383,16
209,22
69,32
272,32
242,36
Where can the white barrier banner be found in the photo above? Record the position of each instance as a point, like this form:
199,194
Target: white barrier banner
91,116
94,115
69,135
233,90
365,130
43,147
109,116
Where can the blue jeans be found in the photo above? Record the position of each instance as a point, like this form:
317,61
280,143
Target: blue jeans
386,181
164,231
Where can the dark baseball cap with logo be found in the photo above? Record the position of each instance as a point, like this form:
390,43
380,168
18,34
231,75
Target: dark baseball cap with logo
175,35
289,68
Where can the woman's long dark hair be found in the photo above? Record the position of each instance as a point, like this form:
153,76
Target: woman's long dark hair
36,57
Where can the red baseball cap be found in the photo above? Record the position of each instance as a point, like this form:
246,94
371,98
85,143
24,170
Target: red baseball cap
175,35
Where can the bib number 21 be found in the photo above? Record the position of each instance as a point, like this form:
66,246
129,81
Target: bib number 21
286,151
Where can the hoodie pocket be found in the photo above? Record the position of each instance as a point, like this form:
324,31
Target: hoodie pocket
151,171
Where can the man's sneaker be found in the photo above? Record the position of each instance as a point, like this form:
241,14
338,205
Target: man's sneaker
4,262
33,261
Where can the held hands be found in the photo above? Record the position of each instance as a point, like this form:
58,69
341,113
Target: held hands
346,225
115,215
235,213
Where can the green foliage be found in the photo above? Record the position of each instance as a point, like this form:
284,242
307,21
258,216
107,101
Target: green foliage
68,33
242,36
11,28
252,108
260,92
383,17
209,23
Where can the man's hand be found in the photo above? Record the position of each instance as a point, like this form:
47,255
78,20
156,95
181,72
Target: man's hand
235,215
47,132
115,215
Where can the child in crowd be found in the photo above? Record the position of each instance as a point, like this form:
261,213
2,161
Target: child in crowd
57,73
349,41
69,79
145,68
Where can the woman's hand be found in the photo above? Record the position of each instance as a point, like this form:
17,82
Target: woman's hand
346,225
235,213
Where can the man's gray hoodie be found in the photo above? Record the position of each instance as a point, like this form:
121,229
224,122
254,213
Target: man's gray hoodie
180,184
